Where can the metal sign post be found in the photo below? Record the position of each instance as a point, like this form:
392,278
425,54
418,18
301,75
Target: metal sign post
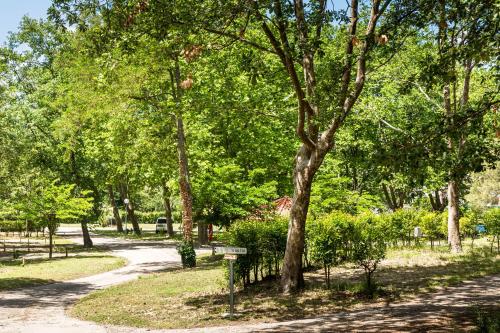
231,289
231,254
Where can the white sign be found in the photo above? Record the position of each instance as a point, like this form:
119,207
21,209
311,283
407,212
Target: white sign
231,250
230,256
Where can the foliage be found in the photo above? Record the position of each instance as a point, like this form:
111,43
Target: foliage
265,241
187,253
369,246
399,225
328,240
431,226
485,188
491,220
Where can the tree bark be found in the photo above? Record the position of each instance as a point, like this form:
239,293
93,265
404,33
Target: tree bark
116,212
87,241
307,163
168,209
202,233
453,218
184,183
50,244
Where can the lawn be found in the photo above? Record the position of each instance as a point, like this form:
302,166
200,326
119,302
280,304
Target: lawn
13,274
198,297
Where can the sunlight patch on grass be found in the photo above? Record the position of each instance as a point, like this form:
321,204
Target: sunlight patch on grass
41,271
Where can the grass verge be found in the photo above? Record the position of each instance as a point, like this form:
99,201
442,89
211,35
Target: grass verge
13,274
197,297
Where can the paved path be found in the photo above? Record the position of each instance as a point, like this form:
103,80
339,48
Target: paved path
41,309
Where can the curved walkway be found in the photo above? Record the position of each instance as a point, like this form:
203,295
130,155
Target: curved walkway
41,309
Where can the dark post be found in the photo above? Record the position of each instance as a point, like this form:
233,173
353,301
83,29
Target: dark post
231,289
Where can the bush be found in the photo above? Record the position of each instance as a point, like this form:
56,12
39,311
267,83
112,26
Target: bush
12,226
400,225
491,220
468,224
431,226
148,217
369,246
265,241
328,240
187,253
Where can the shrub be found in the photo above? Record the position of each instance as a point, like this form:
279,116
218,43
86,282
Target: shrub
369,246
328,240
12,226
187,253
491,220
431,226
148,217
265,241
400,225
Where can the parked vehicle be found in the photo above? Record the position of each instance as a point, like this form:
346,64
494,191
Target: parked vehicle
161,225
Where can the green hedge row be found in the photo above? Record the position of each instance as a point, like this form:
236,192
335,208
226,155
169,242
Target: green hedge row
339,237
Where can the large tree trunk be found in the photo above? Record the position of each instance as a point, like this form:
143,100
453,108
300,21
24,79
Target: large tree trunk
202,233
87,241
116,212
130,209
184,183
168,209
453,218
306,165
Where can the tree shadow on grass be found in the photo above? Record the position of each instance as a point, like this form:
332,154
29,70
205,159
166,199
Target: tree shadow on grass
264,299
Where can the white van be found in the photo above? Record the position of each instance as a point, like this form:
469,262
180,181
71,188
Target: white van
161,225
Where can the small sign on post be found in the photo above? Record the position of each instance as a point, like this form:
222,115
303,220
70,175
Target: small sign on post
231,250
231,254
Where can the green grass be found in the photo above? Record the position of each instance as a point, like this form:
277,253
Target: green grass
197,297
42,270
157,300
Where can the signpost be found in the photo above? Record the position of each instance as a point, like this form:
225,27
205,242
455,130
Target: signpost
231,254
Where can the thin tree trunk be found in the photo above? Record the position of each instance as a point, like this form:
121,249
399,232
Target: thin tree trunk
50,244
168,209
388,198
306,165
87,241
184,182
453,218
130,209
116,212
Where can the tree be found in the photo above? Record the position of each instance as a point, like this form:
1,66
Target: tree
465,31
50,204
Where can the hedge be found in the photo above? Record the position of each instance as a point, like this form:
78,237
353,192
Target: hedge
265,241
